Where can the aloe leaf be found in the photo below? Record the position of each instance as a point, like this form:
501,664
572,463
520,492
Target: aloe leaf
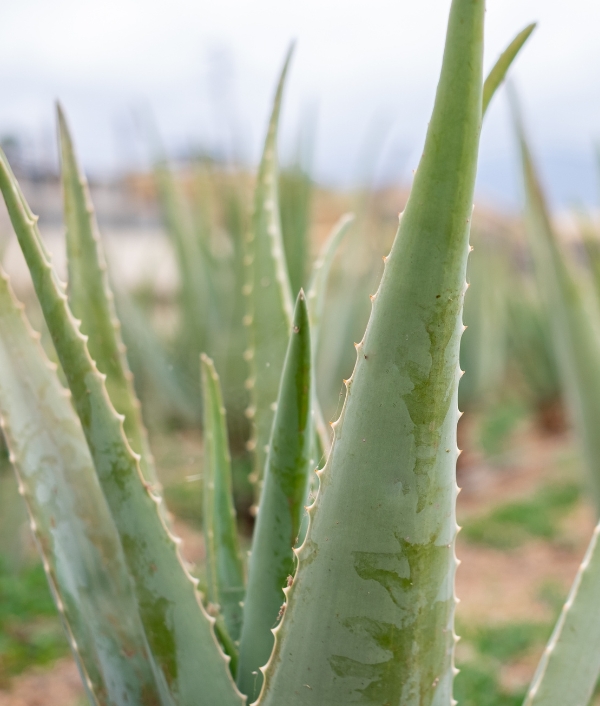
591,244
92,301
570,665
178,629
574,314
281,506
224,567
70,519
316,304
268,288
320,275
501,67
485,343
369,616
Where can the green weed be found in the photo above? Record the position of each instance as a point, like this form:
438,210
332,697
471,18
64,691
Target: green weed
477,685
30,632
498,424
509,641
513,524
494,646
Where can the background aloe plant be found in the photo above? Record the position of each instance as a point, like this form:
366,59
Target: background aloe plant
362,599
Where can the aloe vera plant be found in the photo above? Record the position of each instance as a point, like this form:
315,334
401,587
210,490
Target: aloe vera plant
363,609
575,314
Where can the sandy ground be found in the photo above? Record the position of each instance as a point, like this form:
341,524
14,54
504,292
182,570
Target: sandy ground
59,686
496,586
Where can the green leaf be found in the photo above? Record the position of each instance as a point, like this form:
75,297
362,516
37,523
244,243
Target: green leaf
70,519
320,274
92,301
224,567
484,345
501,67
281,505
268,289
369,616
570,665
178,629
574,313
316,303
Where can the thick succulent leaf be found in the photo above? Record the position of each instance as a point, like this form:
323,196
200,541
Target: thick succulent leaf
316,303
570,666
281,506
591,245
178,629
485,343
91,299
224,566
501,67
369,616
574,315
13,517
268,291
70,520
344,321
320,274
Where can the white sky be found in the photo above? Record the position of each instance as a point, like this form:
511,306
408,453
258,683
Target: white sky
367,70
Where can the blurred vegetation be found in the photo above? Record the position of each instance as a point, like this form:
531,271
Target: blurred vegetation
30,631
512,524
478,685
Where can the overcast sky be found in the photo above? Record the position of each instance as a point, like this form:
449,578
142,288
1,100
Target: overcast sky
364,73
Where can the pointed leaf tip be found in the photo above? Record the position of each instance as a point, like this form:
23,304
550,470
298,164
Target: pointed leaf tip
501,67
283,498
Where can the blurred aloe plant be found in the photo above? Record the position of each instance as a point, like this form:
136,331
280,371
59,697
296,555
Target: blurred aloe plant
570,299
358,607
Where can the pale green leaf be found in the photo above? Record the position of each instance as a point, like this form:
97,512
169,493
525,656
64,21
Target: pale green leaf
92,301
268,291
569,669
320,274
573,311
501,67
71,522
